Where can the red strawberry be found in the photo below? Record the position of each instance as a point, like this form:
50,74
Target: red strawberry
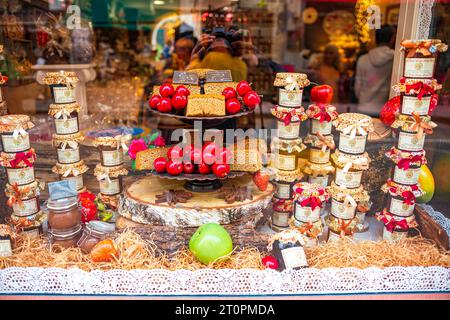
261,180
389,110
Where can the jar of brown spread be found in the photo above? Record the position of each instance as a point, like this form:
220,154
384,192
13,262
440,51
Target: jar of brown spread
63,214
66,238
94,232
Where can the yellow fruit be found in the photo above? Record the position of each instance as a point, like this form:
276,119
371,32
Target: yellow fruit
426,182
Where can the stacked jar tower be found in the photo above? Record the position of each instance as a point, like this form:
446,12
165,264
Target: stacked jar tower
320,139
3,107
350,160
287,145
65,113
417,89
111,169
22,188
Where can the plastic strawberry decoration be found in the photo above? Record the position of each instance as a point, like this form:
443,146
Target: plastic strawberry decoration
389,110
88,207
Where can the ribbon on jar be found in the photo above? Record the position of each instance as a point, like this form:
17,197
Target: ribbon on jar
19,132
70,143
422,47
405,163
390,223
17,195
306,229
70,84
408,197
122,142
350,202
324,112
421,126
3,78
344,228
75,172
291,84
62,113
25,157
420,89
349,162
104,176
357,127
312,202
324,143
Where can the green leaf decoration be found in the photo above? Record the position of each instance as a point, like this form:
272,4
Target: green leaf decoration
153,137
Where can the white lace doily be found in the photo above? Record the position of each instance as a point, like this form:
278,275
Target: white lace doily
229,282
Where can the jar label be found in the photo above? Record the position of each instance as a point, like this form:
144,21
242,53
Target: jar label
356,145
280,219
5,248
401,209
320,180
413,104
410,141
294,257
285,162
291,131
68,126
15,145
78,181
349,179
410,176
110,188
393,236
63,95
324,127
339,210
112,157
21,176
27,207
419,67
283,190
319,156
306,214
288,98
68,155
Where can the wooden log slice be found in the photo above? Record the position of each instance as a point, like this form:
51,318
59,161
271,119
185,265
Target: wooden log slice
138,204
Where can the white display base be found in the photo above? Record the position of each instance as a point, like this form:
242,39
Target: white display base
85,72
157,282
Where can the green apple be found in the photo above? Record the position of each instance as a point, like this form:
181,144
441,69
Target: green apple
210,242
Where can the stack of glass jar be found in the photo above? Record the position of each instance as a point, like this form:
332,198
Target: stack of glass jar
64,110
22,188
111,169
350,160
3,107
309,199
417,89
320,139
287,144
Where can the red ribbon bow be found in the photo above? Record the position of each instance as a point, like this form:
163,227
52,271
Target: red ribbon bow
405,163
408,197
420,88
391,224
322,115
313,202
24,157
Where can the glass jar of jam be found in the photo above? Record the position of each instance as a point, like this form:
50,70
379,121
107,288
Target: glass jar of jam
26,207
112,187
290,131
410,141
70,125
78,180
63,214
94,232
356,145
288,248
410,103
420,58
350,179
20,176
398,206
68,155
323,127
282,210
13,144
341,210
290,98
319,156
287,153
62,94
408,177
65,238
111,157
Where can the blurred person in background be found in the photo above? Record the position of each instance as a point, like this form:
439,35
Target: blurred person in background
373,73
329,70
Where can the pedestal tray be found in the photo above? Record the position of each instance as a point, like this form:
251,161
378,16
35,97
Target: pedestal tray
208,122
138,204
199,182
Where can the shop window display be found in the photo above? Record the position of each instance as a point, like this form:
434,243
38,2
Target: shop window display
224,135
